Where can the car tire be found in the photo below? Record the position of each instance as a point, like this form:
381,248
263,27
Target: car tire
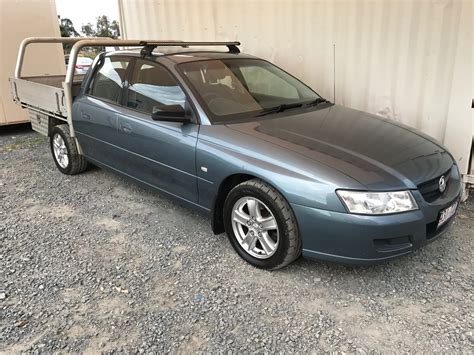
65,152
273,248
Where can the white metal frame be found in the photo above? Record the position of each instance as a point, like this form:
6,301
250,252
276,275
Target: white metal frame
80,42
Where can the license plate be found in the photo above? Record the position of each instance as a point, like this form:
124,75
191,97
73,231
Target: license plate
447,213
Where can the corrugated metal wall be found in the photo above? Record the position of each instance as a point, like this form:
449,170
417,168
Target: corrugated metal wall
407,60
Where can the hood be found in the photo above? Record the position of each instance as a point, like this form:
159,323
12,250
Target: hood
378,153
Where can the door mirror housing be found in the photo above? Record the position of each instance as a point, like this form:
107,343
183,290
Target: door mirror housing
170,113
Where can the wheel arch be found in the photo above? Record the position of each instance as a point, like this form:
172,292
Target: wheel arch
77,162
227,184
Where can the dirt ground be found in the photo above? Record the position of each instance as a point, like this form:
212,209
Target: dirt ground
91,263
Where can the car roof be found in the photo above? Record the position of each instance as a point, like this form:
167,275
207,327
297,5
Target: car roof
184,56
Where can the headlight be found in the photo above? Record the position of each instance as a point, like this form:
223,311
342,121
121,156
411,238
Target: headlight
363,202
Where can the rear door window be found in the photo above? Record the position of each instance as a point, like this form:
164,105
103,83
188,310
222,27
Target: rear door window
109,80
151,87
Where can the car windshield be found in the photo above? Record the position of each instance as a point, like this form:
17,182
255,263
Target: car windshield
84,60
230,89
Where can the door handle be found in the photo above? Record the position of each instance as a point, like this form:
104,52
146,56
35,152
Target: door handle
86,116
126,128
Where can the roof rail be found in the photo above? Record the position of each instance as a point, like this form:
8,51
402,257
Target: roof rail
149,46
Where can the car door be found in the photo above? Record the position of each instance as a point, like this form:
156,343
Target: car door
160,154
95,113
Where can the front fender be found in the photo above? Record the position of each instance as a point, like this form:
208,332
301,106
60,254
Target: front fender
222,152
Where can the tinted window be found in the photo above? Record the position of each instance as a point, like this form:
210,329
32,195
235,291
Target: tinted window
261,81
152,87
108,82
237,88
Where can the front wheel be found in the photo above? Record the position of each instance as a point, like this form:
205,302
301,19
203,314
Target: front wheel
261,225
65,152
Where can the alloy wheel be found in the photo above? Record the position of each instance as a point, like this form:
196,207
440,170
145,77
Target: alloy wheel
255,227
60,151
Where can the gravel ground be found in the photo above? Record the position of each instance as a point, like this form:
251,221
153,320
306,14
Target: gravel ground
93,263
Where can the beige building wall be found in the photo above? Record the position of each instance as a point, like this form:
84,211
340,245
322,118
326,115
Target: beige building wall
410,61
20,19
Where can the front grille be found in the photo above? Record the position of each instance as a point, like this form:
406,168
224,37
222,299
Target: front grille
430,189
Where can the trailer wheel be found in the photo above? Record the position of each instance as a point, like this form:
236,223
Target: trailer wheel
65,152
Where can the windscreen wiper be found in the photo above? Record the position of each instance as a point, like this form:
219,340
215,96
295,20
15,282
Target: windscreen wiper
318,101
279,108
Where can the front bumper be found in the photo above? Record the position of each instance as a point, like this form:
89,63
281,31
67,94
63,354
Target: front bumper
357,239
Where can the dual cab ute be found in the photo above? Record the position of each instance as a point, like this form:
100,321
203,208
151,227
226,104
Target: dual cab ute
280,169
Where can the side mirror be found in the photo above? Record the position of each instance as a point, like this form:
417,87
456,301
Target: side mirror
169,113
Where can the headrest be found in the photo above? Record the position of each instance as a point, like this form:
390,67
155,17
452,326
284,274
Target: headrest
215,71
156,76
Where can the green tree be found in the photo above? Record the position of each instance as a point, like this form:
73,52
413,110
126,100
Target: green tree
66,28
103,28
88,30
114,27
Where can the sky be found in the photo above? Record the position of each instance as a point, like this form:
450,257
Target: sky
80,12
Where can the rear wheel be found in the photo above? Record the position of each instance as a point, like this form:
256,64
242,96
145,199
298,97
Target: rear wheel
261,225
65,152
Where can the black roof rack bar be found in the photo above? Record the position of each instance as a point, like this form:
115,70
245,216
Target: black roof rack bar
233,48
147,50
186,44
149,46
